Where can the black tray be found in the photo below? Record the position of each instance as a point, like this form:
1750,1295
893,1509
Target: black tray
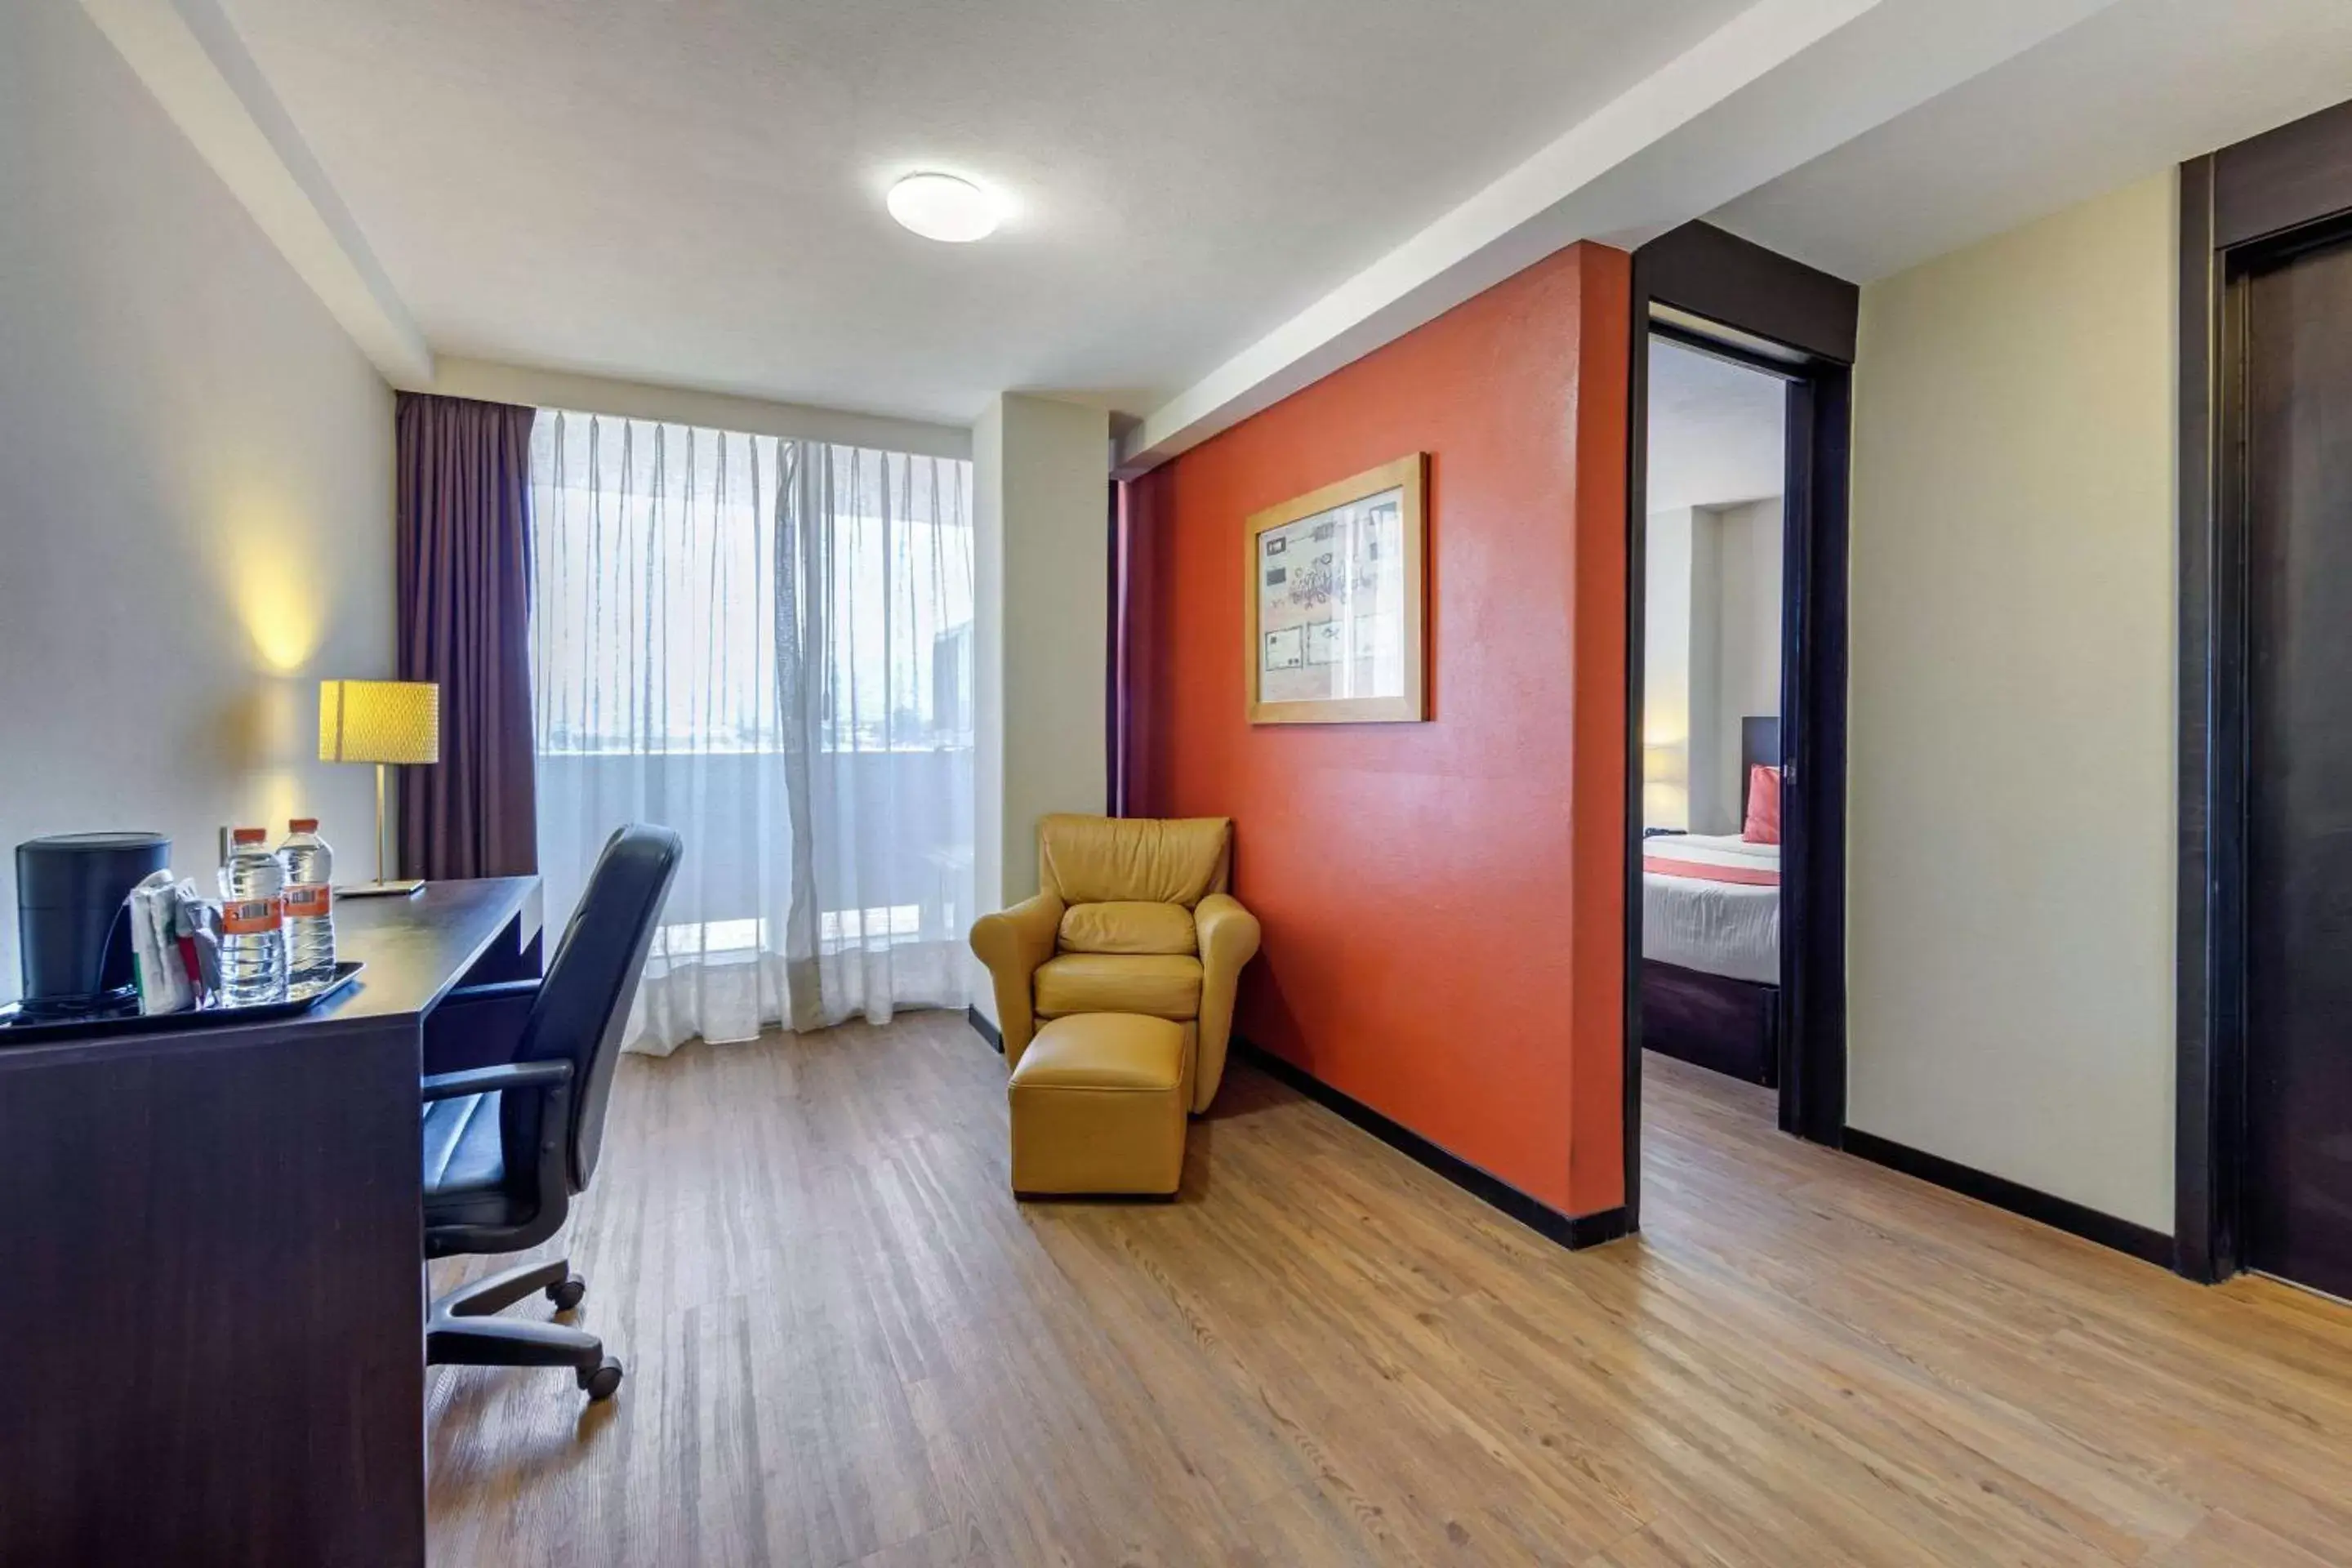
16,1029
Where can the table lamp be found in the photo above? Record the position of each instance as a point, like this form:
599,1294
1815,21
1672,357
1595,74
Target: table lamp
1665,785
383,722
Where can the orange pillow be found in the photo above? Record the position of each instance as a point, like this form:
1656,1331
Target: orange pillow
1763,824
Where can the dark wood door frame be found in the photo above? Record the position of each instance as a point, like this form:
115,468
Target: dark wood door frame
2240,208
1707,288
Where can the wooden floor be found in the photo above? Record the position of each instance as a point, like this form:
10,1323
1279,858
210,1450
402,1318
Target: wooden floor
848,1345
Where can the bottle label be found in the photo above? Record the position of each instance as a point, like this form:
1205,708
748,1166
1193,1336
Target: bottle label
304,899
249,916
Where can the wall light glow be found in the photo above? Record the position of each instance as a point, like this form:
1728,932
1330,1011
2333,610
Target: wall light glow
273,589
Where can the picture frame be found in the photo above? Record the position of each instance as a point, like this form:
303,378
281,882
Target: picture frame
1335,618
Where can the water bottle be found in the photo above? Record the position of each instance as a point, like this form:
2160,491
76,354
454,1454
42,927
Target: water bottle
310,903
253,936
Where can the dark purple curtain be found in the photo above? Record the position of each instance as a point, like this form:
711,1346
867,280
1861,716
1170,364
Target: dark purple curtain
1140,574
464,621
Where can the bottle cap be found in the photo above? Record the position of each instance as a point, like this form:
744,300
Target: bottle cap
302,824
247,835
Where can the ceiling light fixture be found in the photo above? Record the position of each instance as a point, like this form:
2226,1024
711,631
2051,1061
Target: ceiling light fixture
941,206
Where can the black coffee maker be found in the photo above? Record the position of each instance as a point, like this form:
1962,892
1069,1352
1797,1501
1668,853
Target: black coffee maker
73,921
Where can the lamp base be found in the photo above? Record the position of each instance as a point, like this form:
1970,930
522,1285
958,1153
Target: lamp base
407,888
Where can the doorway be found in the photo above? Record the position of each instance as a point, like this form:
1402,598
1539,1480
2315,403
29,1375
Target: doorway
2264,1137
1718,312
1709,729
2297,433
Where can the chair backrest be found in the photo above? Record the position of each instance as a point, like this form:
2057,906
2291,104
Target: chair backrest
1138,859
584,1003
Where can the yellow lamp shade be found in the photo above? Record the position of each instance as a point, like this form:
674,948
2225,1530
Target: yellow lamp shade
379,721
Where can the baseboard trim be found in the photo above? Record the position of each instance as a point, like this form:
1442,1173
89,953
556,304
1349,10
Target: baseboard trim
2060,1214
1573,1231
985,1029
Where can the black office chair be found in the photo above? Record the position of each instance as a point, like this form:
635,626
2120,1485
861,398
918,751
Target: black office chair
506,1146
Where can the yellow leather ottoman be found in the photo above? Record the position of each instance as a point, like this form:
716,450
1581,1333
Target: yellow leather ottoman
1098,1105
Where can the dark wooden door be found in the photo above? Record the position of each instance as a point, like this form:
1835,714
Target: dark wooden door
2297,333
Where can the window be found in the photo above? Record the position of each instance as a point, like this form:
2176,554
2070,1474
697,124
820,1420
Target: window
655,594
765,644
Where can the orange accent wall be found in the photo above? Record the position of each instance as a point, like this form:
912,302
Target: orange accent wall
1444,903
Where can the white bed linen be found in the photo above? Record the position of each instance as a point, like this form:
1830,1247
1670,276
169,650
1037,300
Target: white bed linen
1731,929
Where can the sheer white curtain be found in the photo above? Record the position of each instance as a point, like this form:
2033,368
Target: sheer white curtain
767,645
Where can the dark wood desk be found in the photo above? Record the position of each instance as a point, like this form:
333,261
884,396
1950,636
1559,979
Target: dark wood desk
211,1300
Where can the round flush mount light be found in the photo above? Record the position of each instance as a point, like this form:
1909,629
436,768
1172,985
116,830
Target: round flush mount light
944,207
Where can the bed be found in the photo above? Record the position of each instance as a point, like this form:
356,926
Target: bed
1711,939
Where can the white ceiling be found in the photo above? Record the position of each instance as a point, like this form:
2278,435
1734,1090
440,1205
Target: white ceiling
1215,201
691,193
2134,88
1715,431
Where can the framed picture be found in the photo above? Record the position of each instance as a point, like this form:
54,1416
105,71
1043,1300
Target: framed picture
1334,611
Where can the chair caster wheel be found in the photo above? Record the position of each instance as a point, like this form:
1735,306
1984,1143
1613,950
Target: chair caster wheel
566,1293
601,1382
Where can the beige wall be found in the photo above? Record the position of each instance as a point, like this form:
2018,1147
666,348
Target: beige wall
196,484
1747,672
1666,666
2012,803
1710,656
1041,475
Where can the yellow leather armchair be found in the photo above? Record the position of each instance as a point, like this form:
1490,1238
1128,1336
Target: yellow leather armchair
1133,916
